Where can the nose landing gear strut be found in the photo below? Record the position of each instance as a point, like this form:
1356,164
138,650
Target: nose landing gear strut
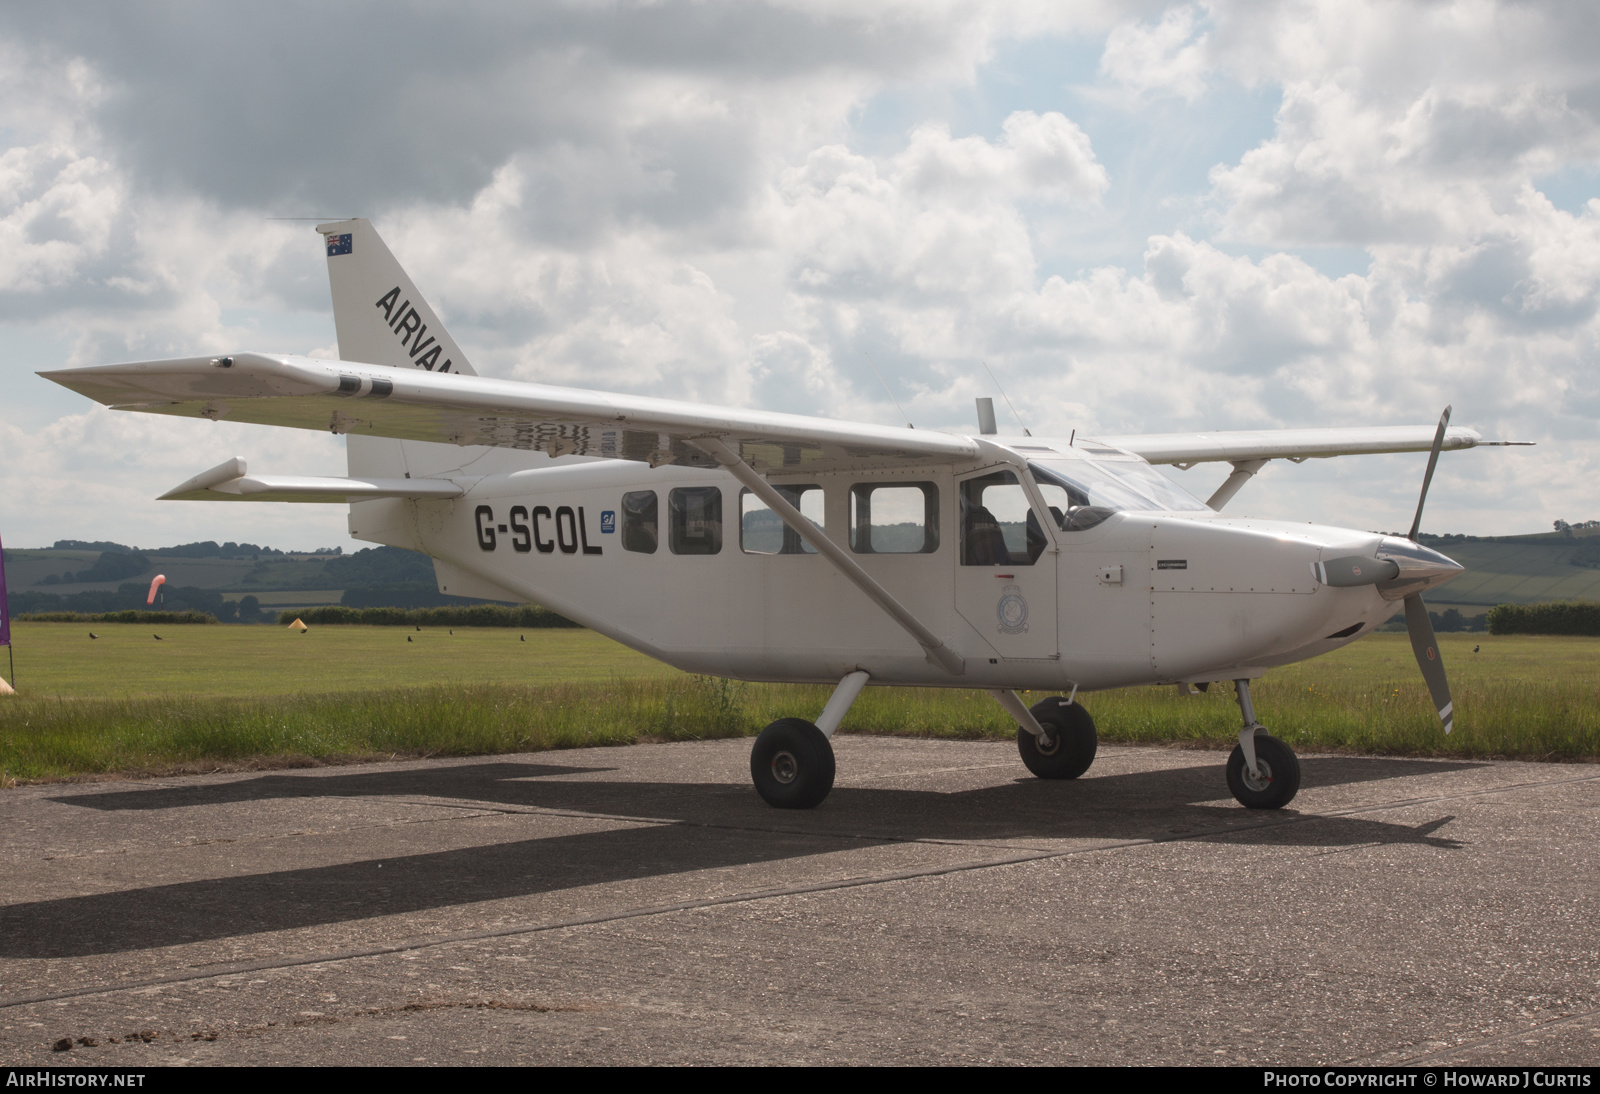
1263,772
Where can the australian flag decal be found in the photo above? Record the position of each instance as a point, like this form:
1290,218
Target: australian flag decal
338,244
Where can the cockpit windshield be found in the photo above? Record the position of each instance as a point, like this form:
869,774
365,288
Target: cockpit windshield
1082,493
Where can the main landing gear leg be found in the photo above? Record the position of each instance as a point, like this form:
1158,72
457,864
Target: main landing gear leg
792,762
1263,772
1055,736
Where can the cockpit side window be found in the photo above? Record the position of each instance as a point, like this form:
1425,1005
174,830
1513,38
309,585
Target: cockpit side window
998,526
1088,491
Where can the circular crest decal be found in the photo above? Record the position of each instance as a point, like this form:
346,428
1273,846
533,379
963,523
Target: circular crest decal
1012,611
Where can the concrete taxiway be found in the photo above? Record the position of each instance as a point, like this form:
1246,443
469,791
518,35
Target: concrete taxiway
641,905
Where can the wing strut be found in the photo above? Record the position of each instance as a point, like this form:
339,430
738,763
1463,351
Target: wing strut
938,652
1243,472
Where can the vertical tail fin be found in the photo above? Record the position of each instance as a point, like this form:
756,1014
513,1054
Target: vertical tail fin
380,316
382,319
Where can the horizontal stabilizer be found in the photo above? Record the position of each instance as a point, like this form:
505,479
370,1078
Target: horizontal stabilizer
230,481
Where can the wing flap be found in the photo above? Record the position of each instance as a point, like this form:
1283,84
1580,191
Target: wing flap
347,397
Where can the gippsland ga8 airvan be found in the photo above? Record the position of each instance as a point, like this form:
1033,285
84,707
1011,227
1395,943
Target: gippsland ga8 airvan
781,547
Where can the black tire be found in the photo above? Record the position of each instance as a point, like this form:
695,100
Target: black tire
1072,740
1278,763
792,764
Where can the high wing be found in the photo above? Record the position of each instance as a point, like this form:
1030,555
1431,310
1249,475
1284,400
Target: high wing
410,404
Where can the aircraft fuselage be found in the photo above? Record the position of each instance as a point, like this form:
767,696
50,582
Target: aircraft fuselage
1139,598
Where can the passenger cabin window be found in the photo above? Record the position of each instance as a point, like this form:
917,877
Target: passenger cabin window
998,526
639,522
894,518
695,514
763,532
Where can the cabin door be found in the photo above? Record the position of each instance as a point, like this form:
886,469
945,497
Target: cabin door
1005,578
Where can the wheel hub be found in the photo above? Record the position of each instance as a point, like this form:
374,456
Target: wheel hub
1259,781
785,768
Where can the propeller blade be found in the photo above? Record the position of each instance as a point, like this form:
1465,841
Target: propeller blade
1353,570
1426,647
1427,480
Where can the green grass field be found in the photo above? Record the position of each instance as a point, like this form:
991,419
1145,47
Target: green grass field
207,697
60,659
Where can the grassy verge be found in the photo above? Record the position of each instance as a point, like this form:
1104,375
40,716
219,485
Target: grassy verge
260,697
54,738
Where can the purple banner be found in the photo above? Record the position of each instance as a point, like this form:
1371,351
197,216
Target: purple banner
5,613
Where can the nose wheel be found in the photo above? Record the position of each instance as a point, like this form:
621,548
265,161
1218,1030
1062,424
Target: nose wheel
1263,772
1275,780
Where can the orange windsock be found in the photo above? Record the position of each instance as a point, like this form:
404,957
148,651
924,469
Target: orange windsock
160,579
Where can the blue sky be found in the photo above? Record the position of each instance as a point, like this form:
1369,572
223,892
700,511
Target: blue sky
1141,217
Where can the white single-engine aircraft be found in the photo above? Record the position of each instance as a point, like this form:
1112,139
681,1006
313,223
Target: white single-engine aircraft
780,547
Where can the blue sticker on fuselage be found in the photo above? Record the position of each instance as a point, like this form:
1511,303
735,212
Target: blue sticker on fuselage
608,521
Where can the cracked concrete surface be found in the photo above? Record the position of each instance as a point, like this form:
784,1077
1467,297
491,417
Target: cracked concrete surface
641,905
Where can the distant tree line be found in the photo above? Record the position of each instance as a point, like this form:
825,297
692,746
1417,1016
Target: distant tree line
117,617
130,597
1567,617
1451,621
204,549
118,561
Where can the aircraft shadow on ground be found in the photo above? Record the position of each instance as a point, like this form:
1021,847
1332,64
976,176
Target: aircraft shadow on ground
703,827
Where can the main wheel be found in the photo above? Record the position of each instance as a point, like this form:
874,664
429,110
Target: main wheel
792,764
1072,743
1279,780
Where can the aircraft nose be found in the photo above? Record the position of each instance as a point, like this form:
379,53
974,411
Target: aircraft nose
1420,568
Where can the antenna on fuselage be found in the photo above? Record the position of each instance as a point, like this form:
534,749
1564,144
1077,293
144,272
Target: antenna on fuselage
1007,398
886,390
